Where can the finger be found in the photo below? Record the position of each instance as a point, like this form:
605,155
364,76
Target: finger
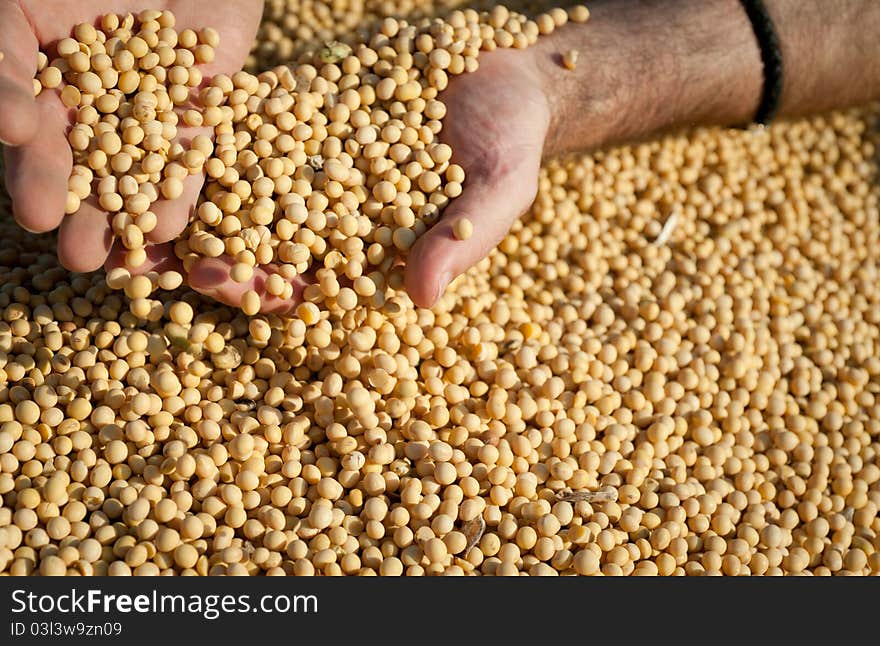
237,29
438,256
210,276
37,172
20,120
19,46
84,238
160,258
173,215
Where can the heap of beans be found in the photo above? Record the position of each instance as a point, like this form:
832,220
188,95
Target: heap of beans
292,28
669,366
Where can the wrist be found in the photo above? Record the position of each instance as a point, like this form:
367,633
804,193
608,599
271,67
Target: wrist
590,104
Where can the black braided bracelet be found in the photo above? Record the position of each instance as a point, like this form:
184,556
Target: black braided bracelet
771,56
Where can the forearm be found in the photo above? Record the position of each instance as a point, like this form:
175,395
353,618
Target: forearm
830,51
647,66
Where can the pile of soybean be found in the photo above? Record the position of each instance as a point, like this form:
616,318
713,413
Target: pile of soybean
669,366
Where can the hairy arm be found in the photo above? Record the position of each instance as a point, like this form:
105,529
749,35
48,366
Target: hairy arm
646,66
831,53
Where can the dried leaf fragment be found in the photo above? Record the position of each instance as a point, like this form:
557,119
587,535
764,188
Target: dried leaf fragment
605,494
473,532
333,52
668,228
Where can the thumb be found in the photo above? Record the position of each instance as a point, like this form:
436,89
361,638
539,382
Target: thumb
492,205
20,122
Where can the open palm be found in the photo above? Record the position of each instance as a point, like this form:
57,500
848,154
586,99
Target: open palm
38,157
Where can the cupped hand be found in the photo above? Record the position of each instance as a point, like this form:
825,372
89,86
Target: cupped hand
496,122
211,277
38,157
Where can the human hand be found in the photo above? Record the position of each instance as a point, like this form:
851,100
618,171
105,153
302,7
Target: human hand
645,68
496,122
37,154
